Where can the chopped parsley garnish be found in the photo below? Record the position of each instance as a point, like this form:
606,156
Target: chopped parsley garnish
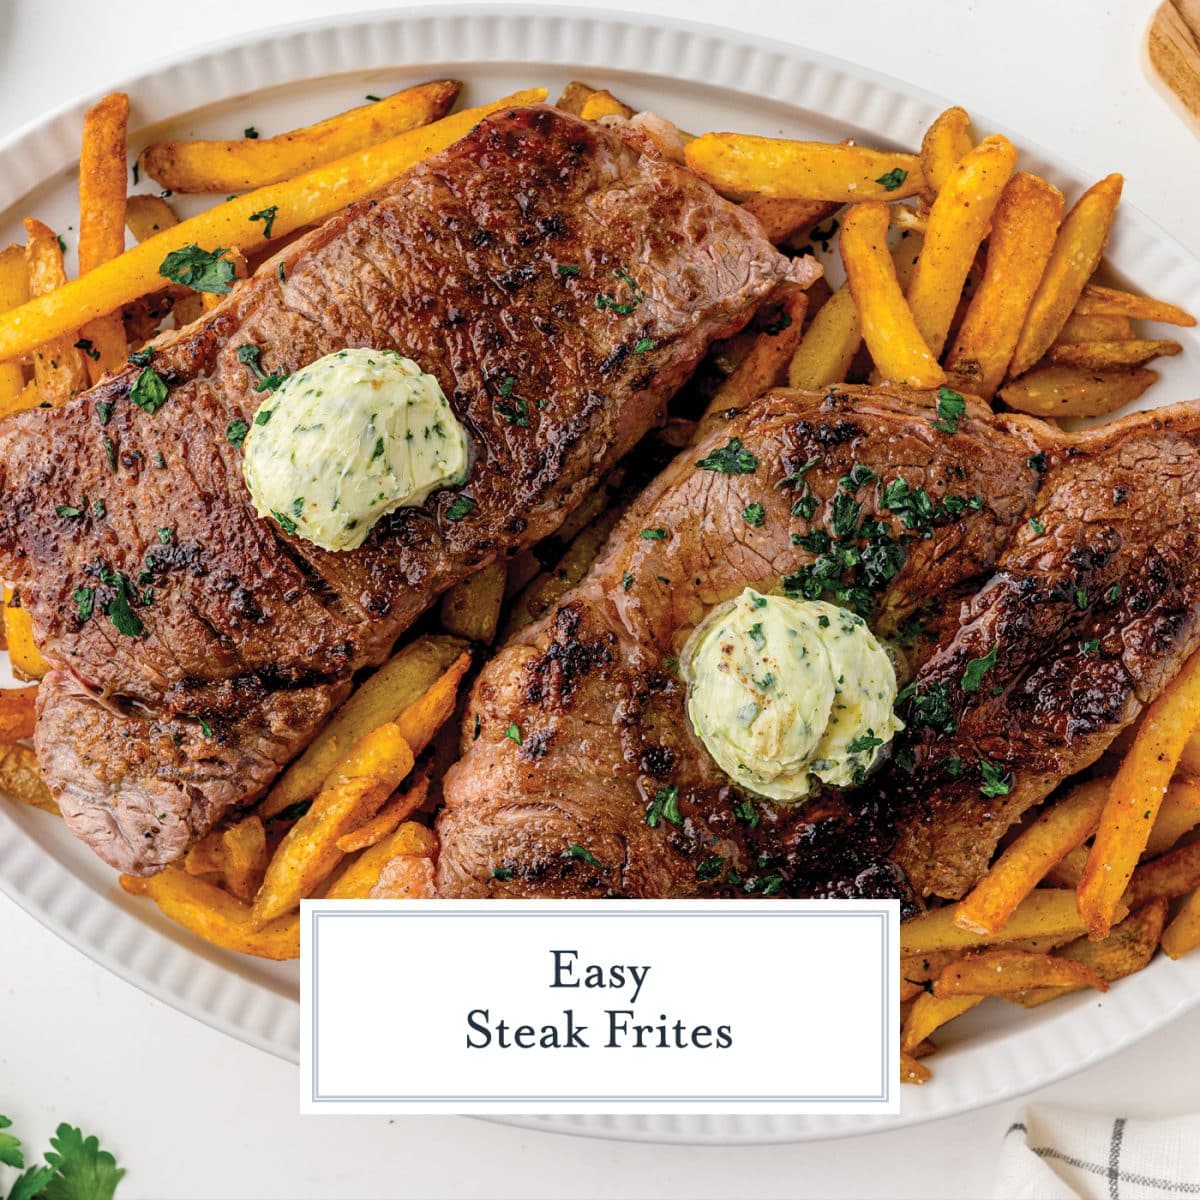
858,474
67,510
951,408
461,506
235,432
165,534
644,346
977,668
110,453
664,807
756,635
575,850
621,308
1113,594
285,522
250,132
282,273
62,245
843,518
864,743
99,508
250,355
200,270
931,707
117,609
627,582
504,874
746,811
1036,525
653,535
731,459
104,410
754,514
516,413
892,179
1037,462
1091,646
513,733
797,476
506,388
711,868
995,782
377,451
85,602
952,765
373,99
267,217
1081,598
566,269
806,506
86,346
777,326
140,358
149,390
205,727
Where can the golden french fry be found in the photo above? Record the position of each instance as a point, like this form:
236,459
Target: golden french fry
603,103
102,178
23,654
891,333
214,915
304,200
1137,792
1178,814
14,290
909,219
205,856
405,877
1128,948
1045,912
244,851
1076,254
147,215
1168,876
1104,356
418,723
401,806
918,971
355,790
1086,327
360,875
471,609
785,220
17,715
243,163
741,165
1105,301
929,1013
957,223
1068,871
1183,933
574,97
401,681
946,142
1024,226
997,972
21,778
58,363
829,344
1063,826
1071,392
913,1071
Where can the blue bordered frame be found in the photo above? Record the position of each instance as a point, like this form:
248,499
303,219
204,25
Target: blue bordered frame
315,913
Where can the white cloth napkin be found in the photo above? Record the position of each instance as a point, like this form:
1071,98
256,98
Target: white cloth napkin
1059,1154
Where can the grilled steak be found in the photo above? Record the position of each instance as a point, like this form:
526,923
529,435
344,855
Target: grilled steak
197,648
599,708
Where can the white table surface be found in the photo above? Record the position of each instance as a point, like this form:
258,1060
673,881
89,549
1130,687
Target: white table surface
191,1112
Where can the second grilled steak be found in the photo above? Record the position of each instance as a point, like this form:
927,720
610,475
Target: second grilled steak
560,286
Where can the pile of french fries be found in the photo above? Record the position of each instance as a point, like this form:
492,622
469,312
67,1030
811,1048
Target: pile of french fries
960,271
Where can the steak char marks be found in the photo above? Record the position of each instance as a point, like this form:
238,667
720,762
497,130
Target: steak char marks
196,648
1075,557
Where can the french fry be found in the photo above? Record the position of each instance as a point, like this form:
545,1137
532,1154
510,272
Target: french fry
603,103
785,220
471,609
574,97
355,790
829,344
1183,933
1063,826
360,875
957,223
929,1013
23,654
243,163
58,363
21,779
1136,795
997,972
304,200
891,333
912,1070
1128,948
1105,301
244,851
205,856
920,970
17,716
1068,871
401,681
741,165
102,176
418,723
1178,814
147,216
1168,876
1071,392
405,877
1076,254
1104,356
1086,327
1189,760
1024,226
214,915
946,142
14,290
1045,912
400,807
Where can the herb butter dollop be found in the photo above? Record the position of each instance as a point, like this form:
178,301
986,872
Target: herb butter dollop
789,694
348,439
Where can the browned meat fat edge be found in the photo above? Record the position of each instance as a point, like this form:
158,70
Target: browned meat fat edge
251,636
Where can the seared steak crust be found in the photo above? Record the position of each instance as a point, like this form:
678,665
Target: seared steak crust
523,267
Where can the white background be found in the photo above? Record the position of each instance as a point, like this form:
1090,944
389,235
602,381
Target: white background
193,1113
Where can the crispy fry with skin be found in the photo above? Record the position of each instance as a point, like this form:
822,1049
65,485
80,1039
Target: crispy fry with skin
360,875
946,142
244,163
58,364
574,97
1024,226
1081,241
1168,876
1128,948
418,723
1071,392
957,223
21,778
998,972
399,808
205,856
304,200
355,791
14,290
785,220
919,970
1189,760
741,165
1104,356
244,850
1086,327
1178,814
1068,871
102,179
603,103
17,716
1063,826
889,329
214,915
23,654
1105,301
829,344
471,609
929,1013
912,1070
1137,792
401,681
1183,933
1045,912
